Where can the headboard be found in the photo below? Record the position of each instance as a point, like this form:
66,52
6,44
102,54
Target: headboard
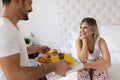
104,11
71,12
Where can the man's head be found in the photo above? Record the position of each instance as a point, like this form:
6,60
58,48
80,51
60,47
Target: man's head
6,2
20,8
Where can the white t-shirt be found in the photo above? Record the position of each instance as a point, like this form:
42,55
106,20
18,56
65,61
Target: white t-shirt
11,42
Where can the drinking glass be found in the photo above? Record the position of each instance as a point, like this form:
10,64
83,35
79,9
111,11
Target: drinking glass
54,58
68,57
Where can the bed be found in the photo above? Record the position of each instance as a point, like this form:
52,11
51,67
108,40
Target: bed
111,35
106,12
113,72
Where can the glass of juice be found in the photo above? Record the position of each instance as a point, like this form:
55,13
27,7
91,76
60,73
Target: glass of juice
54,58
68,57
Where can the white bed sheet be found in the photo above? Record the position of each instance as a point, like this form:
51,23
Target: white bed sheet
113,71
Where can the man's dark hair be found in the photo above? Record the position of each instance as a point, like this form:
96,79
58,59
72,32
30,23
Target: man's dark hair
6,2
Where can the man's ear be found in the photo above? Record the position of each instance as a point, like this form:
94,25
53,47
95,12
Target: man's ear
17,2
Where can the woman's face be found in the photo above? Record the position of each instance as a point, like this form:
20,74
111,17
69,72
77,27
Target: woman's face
85,30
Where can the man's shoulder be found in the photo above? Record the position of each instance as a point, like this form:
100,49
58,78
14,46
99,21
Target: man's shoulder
6,26
3,22
7,31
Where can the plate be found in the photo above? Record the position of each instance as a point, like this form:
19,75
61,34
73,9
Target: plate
41,59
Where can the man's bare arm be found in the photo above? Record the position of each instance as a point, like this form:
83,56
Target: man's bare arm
40,49
13,71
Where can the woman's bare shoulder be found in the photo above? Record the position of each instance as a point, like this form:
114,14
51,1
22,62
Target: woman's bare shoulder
102,41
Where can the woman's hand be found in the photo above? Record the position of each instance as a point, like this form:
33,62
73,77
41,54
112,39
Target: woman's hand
98,58
82,38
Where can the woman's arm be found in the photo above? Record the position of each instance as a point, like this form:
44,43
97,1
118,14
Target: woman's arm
105,62
82,50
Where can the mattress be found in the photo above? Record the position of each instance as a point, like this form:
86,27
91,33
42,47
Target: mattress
110,34
113,71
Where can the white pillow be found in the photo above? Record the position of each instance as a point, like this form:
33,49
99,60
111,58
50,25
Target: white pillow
72,44
111,35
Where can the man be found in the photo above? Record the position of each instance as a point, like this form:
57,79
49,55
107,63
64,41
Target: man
14,63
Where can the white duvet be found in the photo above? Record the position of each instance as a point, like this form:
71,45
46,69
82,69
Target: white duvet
113,71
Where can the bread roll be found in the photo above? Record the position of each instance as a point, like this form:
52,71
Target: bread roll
53,51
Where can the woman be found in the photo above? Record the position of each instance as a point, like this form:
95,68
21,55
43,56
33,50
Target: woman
92,51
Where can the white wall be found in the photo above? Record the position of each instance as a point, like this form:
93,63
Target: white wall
54,23
0,5
43,23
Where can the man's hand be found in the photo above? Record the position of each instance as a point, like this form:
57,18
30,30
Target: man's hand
43,49
61,67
